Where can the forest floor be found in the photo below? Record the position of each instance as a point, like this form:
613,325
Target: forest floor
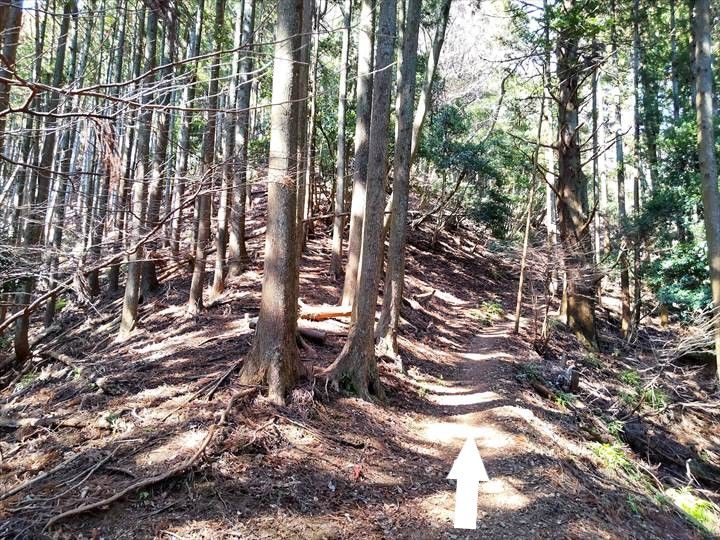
160,419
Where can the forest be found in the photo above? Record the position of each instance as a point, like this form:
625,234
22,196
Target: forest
328,268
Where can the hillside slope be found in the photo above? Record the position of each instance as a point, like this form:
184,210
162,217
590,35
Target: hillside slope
159,420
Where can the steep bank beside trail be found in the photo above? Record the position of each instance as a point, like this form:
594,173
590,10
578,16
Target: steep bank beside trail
127,417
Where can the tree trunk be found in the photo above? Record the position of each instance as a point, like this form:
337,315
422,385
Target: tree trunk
426,93
195,301
363,104
637,282
10,32
706,152
139,188
625,317
573,221
189,90
273,358
237,255
356,362
674,64
160,155
303,73
42,177
387,329
340,165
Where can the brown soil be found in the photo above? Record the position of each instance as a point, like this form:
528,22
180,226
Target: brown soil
328,465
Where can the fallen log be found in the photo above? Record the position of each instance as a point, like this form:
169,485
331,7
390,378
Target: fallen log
322,313
424,298
304,329
44,421
655,444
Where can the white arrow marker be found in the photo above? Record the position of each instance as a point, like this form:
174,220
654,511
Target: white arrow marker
468,469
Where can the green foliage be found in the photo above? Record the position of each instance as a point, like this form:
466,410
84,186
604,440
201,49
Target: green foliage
702,513
633,504
613,457
631,377
590,359
681,279
488,167
60,304
655,397
529,372
26,381
488,312
615,427
652,396
564,399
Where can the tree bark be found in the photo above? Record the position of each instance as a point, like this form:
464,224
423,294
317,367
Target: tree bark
273,358
340,165
195,300
674,64
706,152
160,155
356,363
426,93
387,328
573,221
183,151
38,203
363,104
11,13
237,255
139,188
625,317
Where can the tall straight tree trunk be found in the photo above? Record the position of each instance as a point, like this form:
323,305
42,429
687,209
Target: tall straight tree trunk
573,224
195,301
65,147
596,164
183,154
426,93
124,188
363,104
625,317
9,39
356,362
312,130
42,178
340,161
387,328
156,188
706,152
230,164
637,281
303,73
139,188
273,358
237,254
674,64
113,272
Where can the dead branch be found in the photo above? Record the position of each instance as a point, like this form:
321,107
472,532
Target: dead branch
38,478
173,471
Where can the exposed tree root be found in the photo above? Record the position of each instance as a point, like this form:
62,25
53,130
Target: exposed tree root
277,370
355,368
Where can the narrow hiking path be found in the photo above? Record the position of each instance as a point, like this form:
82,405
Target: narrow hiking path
542,483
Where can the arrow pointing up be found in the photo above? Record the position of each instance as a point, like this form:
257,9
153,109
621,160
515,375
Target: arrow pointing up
468,469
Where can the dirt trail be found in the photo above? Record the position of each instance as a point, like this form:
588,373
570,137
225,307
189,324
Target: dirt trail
536,488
